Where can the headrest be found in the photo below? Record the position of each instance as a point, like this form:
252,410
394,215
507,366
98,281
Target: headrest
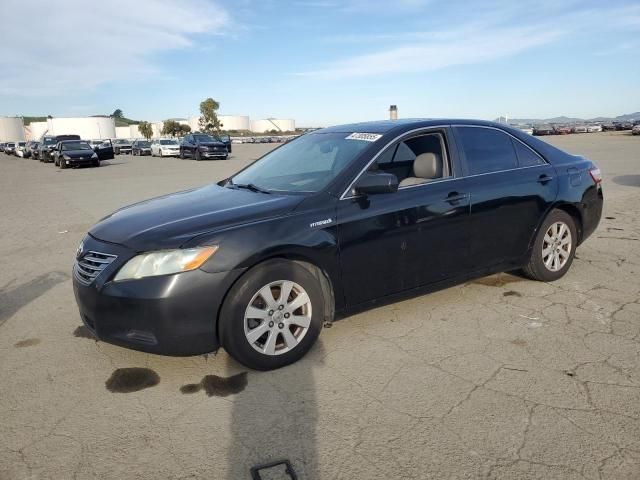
427,165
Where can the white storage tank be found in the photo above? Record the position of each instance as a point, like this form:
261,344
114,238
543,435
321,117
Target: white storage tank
235,122
87,127
35,130
193,122
11,129
269,124
123,132
134,132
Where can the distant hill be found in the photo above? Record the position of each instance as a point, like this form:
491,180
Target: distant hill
120,122
621,118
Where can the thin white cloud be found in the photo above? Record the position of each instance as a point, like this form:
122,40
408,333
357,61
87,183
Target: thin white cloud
501,30
53,48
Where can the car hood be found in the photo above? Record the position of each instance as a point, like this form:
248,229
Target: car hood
78,153
171,220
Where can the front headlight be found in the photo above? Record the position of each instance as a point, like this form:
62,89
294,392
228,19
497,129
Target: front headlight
95,155
66,157
164,262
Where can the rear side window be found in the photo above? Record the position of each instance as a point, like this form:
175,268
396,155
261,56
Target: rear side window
487,150
526,156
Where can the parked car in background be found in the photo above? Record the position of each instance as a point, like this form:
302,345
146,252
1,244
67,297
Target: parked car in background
74,153
200,146
594,128
562,130
141,147
10,148
226,139
165,147
122,146
20,149
527,130
635,130
2,146
258,262
579,129
623,126
543,130
48,144
32,145
608,127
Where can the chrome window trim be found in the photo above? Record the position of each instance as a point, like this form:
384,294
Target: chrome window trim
343,197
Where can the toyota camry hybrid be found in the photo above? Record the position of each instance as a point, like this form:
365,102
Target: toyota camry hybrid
334,221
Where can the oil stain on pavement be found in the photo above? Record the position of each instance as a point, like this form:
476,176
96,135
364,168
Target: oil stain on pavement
29,342
511,293
127,380
215,386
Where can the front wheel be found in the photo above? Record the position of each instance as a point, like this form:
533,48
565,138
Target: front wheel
181,154
197,155
554,248
273,314
62,164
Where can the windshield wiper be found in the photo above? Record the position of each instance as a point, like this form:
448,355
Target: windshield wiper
250,186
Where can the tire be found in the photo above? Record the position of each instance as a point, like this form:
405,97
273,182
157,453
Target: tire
225,157
62,165
197,156
96,163
543,267
181,154
234,327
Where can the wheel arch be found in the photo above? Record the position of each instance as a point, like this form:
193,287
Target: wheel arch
326,282
575,213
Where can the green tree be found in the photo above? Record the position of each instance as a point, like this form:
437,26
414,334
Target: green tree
209,121
184,129
117,113
170,127
145,129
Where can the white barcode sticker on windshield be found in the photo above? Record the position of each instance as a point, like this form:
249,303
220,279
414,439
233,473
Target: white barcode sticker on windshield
367,137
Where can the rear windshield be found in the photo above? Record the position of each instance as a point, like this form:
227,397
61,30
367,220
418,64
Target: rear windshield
168,142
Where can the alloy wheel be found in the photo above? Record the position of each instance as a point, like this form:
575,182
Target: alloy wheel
277,317
556,246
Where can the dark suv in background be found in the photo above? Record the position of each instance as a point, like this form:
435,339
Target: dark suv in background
48,144
202,146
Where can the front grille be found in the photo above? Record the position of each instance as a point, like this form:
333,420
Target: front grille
90,265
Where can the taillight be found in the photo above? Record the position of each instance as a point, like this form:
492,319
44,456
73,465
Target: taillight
596,175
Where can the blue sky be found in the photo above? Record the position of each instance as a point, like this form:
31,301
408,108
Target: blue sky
321,62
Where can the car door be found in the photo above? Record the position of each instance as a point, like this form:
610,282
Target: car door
415,236
105,150
511,186
187,145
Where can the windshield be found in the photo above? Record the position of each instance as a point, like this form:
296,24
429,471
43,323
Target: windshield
49,141
122,142
168,142
307,164
68,146
204,138
22,144
144,144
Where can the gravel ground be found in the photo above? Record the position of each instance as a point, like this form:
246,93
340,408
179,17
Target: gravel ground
500,377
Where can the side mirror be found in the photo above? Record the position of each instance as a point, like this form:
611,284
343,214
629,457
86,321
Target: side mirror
376,182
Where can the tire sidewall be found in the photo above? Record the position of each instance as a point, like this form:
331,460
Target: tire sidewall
537,262
231,320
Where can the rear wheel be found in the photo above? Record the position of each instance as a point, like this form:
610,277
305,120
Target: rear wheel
554,248
197,156
273,314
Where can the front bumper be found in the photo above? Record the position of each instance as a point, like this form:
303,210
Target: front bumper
214,154
167,315
169,153
76,162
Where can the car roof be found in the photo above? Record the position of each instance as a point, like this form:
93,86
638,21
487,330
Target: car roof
385,126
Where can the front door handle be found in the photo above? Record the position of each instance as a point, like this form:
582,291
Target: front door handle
544,178
454,197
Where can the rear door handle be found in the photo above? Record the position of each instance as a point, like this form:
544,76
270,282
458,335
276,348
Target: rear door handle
544,179
455,197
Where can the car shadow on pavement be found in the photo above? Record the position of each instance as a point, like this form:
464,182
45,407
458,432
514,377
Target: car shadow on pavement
627,180
14,297
275,420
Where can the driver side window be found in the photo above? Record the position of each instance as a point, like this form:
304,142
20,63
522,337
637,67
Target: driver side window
415,160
